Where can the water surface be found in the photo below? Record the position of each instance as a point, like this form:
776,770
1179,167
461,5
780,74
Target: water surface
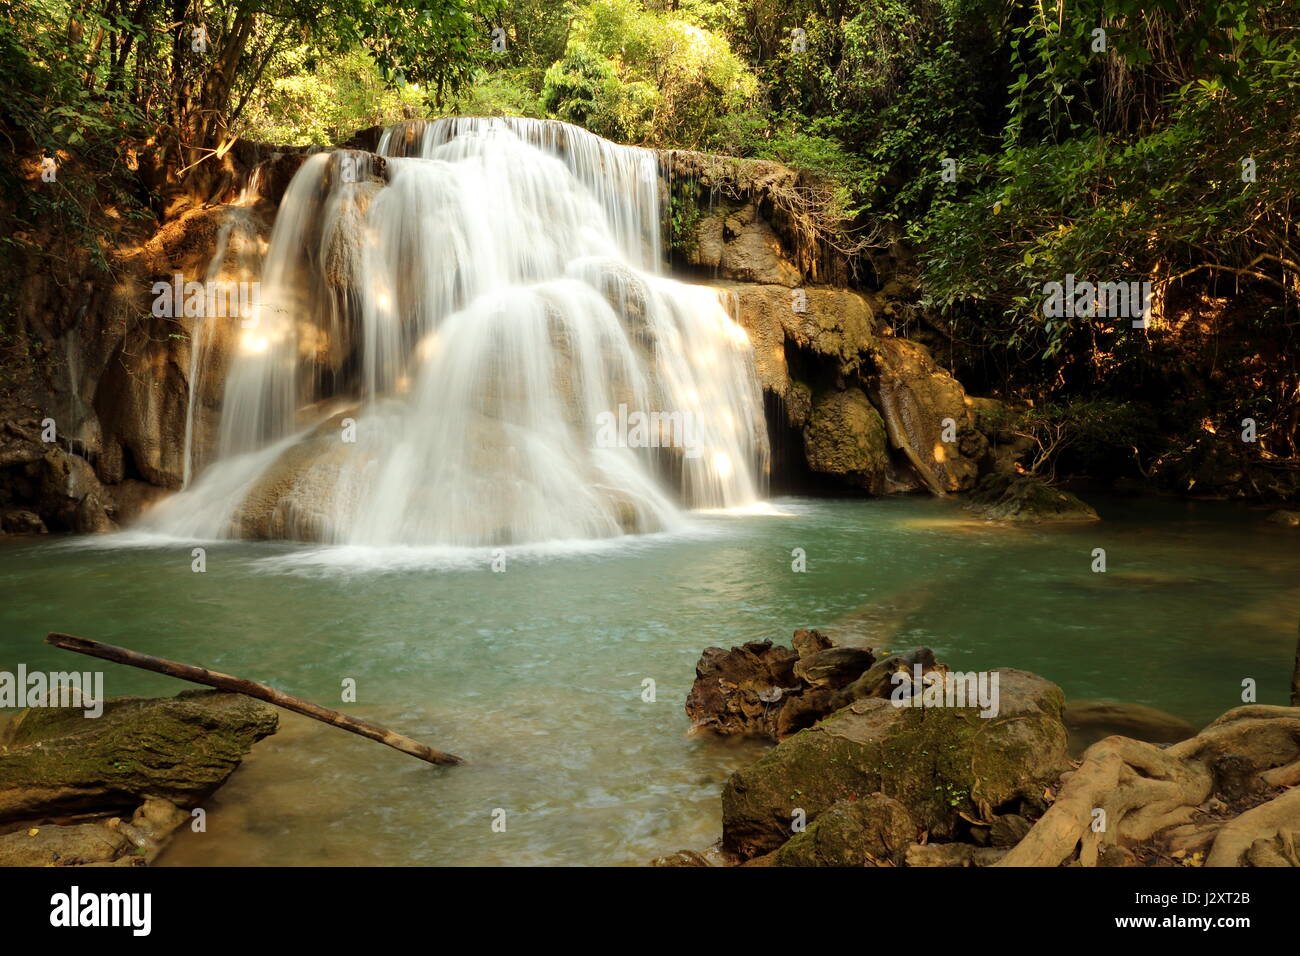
536,674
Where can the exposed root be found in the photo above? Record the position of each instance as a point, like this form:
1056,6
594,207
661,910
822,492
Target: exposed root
1141,790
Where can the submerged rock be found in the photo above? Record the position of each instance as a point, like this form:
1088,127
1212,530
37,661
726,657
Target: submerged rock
55,761
1006,497
940,763
111,842
1092,720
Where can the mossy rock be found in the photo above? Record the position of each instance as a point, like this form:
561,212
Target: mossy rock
938,762
1007,497
846,437
56,760
869,832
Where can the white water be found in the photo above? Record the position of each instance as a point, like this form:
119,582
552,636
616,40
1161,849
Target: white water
468,325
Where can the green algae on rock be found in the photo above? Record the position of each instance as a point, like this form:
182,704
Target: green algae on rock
940,763
1006,497
181,749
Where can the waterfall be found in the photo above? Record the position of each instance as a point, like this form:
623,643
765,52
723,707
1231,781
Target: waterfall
466,340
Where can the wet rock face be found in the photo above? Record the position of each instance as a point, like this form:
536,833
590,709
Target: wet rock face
114,379
833,325
740,244
880,414
927,415
55,761
939,763
846,437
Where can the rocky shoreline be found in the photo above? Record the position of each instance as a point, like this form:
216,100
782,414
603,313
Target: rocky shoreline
112,791
893,760
877,759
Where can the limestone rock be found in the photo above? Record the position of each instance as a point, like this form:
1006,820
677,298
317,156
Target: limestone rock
923,407
111,842
846,437
872,831
22,521
1006,497
56,761
938,763
837,325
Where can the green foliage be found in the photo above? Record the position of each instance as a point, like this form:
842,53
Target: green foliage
312,102
1099,437
585,88
648,77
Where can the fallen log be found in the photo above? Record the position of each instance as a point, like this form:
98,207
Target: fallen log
237,685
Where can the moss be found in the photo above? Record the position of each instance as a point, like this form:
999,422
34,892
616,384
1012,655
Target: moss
846,436
1007,497
179,748
939,763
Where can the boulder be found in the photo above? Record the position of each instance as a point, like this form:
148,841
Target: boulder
846,438
938,762
873,831
926,415
111,842
1008,497
1091,720
22,521
71,497
55,761
740,691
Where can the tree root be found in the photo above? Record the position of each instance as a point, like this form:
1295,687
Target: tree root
1268,834
1125,792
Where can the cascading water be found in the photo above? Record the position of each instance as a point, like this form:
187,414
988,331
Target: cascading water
467,342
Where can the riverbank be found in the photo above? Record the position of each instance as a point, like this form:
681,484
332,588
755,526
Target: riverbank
894,759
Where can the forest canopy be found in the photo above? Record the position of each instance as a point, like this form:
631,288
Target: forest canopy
984,147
